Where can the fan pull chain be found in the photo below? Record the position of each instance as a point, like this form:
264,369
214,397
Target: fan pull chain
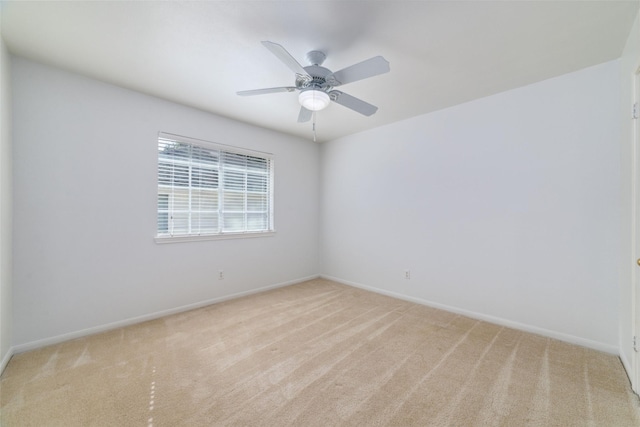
314,126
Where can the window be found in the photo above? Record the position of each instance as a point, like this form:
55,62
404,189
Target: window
209,190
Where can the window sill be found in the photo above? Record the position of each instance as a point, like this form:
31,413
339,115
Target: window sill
224,236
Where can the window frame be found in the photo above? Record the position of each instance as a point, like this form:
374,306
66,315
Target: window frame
221,234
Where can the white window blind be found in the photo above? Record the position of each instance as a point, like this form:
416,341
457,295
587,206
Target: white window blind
206,189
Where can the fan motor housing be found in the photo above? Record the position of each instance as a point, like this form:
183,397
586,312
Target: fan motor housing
318,78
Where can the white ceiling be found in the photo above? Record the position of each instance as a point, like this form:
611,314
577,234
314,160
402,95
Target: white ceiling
199,54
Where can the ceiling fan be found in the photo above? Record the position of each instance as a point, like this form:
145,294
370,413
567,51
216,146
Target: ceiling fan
316,83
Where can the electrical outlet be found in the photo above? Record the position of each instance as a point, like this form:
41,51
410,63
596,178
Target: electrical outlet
220,274
407,274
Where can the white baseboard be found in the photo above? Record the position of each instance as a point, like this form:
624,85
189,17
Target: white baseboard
151,316
5,360
475,315
488,318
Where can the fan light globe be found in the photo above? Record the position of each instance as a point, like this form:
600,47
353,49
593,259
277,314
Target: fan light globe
314,100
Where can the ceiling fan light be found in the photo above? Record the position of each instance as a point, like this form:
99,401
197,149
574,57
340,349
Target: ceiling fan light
314,100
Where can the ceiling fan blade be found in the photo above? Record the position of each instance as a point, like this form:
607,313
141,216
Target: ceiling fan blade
362,70
305,115
265,91
286,57
353,103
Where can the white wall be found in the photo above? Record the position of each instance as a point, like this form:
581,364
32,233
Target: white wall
629,63
85,161
506,207
6,306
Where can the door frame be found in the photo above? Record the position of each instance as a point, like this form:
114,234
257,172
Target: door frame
634,375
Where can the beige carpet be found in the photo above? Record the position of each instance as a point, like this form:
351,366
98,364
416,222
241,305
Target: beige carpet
316,354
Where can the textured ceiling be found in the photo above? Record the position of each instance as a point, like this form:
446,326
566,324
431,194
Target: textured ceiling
199,54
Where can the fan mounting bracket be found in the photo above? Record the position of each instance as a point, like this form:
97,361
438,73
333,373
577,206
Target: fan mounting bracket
315,57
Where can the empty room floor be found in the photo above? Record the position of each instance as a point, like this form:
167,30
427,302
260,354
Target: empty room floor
317,353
